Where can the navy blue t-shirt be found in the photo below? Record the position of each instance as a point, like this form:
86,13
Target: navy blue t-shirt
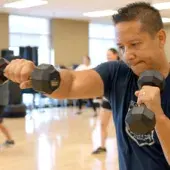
136,152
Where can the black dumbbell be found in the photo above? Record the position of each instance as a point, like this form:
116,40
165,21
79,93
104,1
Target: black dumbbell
140,119
45,78
3,64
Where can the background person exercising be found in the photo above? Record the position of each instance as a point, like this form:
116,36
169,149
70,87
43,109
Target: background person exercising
3,102
86,65
141,39
105,111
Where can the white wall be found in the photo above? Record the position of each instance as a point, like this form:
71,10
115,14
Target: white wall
4,33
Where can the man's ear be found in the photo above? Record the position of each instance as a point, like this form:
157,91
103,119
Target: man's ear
161,38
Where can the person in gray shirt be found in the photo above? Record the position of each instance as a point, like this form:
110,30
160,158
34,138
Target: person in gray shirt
4,93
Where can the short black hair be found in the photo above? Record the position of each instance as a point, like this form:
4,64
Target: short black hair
114,51
149,16
87,57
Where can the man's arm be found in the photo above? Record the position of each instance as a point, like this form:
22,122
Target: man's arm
163,130
79,84
151,98
74,84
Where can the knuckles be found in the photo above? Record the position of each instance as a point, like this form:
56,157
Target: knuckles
19,70
151,89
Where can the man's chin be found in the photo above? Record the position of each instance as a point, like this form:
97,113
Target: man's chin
138,69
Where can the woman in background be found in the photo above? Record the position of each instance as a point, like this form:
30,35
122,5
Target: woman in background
86,65
105,112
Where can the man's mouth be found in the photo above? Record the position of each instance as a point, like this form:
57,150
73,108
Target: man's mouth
132,64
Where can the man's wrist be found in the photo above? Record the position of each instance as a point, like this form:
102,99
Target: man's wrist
160,116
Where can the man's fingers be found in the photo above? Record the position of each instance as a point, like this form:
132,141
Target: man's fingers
26,84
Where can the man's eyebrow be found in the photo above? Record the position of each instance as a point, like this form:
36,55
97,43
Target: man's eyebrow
119,44
132,40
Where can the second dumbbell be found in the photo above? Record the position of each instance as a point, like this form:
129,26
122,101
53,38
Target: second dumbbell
140,119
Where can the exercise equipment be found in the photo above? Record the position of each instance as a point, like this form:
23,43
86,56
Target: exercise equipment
3,64
45,78
14,111
15,93
29,53
140,119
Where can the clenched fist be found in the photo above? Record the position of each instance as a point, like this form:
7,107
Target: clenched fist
150,96
19,71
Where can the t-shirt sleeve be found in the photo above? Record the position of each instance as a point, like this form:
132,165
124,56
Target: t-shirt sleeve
79,68
107,72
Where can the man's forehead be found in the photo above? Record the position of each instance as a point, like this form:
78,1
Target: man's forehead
128,24
128,31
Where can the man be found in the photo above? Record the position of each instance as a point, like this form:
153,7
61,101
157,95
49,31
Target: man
141,39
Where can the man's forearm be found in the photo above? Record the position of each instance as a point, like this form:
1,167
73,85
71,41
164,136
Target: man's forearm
163,132
79,85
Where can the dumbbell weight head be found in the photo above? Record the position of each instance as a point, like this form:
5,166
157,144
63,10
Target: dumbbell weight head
151,78
3,64
140,119
45,78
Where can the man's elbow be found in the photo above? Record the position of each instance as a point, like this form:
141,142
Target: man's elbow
168,159
58,96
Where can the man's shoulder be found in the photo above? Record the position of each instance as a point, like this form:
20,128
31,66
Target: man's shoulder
113,66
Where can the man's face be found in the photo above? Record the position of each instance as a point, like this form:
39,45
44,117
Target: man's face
138,48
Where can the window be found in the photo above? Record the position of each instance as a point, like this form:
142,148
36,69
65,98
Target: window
30,31
101,38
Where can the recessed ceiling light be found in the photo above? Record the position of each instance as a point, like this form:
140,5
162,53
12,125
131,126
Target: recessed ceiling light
165,20
161,6
100,13
25,4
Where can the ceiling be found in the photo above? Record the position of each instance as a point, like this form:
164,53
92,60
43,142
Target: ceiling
74,9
